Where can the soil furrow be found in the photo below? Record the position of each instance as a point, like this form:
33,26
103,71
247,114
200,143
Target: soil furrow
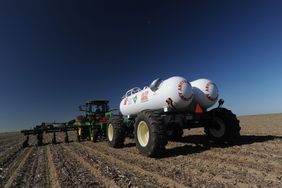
33,173
220,167
189,174
108,182
31,166
41,174
228,172
164,181
195,165
242,159
119,174
265,148
9,146
10,162
167,169
52,170
14,175
6,159
70,171
253,153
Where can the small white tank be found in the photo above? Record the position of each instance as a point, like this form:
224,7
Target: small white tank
154,97
205,92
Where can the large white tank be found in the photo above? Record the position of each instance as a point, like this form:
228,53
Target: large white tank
154,97
205,92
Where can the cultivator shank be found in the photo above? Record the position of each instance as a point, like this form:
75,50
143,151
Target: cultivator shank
46,128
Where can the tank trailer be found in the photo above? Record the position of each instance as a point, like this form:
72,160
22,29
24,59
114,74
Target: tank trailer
160,112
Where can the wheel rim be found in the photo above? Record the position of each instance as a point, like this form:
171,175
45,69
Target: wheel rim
220,131
110,132
143,133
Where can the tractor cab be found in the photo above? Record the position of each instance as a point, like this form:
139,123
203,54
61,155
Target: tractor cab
95,107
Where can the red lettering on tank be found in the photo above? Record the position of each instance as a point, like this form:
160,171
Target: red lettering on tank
144,96
125,101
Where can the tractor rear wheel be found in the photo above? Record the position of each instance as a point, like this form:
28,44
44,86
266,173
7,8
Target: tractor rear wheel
150,134
115,132
225,126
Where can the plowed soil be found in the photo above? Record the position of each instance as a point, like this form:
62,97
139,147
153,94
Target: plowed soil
254,161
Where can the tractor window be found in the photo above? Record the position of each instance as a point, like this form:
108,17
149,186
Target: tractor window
99,108
96,109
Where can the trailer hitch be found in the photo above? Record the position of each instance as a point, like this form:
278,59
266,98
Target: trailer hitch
169,101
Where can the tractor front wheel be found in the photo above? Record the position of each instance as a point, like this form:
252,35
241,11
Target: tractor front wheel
115,132
150,134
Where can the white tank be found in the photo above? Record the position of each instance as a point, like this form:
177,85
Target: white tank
154,97
205,92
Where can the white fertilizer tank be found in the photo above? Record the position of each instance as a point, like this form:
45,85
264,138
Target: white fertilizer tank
154,97
183,94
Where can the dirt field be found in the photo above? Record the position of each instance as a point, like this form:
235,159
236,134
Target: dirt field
256,161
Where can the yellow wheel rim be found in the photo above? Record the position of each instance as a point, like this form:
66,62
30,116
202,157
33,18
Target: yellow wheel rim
79,131
143,133
110,132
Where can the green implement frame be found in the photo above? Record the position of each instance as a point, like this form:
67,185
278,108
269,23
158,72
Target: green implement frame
39,130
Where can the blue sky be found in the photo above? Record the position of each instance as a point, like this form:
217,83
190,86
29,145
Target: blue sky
54,55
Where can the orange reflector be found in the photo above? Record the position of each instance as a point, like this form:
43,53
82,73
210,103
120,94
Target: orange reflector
198,109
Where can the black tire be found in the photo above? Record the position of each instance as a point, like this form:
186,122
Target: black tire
116,136
157,140
95,135
226,127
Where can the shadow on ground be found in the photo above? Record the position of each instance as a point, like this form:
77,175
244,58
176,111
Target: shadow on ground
200,143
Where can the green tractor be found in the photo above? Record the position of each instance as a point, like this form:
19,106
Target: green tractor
92,126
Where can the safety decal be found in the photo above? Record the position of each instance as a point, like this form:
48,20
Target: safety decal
144,96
